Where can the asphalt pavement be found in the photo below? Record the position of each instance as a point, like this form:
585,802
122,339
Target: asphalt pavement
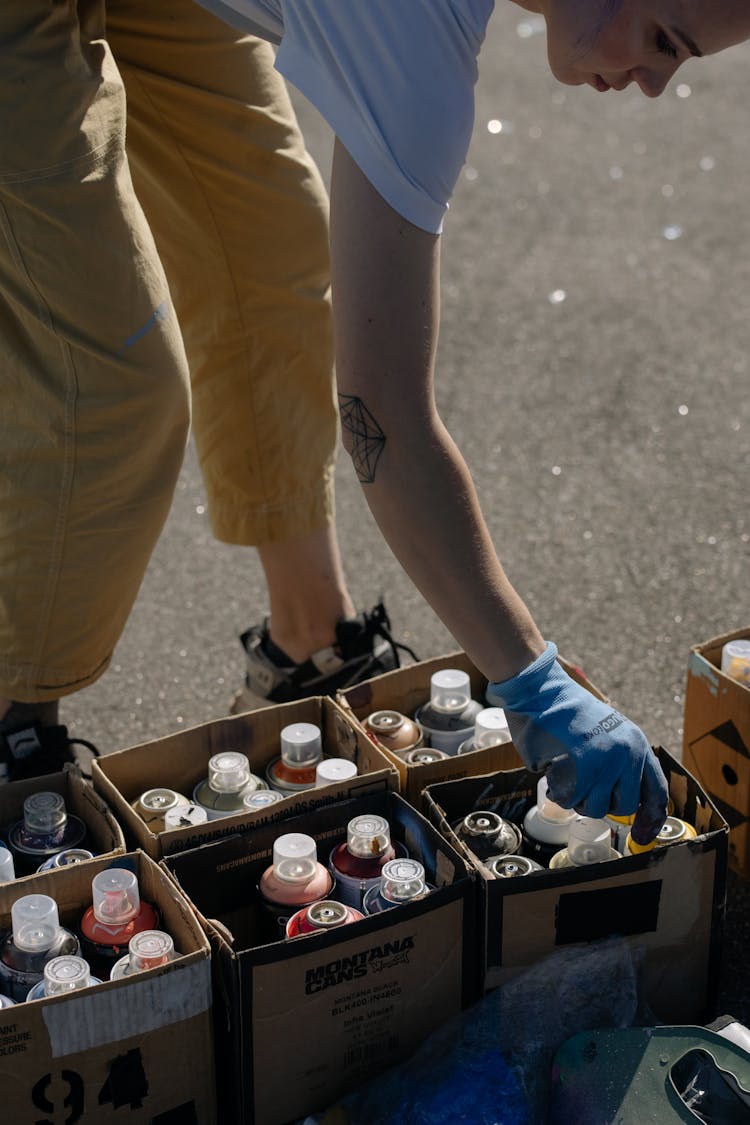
593,368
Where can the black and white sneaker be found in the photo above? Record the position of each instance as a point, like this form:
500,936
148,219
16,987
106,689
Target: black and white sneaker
31,749
363,648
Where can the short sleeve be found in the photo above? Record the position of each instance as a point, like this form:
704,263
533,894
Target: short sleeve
395,81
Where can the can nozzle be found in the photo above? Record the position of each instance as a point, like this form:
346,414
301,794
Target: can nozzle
35,923
295,857
735,661
450,690
490,728
66,974
589,840
330,770
228,772
7,869
368,836
149,949
44,813
115,894
261,799
301,745
402,880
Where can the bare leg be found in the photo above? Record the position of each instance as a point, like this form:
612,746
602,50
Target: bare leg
307,591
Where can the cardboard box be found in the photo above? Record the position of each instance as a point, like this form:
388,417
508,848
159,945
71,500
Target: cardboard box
179,761
139,1049
406,689
309,1019
667,904
103,833
716,741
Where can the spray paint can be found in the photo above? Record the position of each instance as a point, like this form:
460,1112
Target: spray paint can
294,879
394,731
320,918
153,805
150,949
46,829
401,881
486,834
7,868
334,771
261,799
424,756
6,1002
184,816
448,718
61,976
511,866
358,863
67,858
589,841
117,913
301,750
546,826
490,729
673,831
35,938
229,779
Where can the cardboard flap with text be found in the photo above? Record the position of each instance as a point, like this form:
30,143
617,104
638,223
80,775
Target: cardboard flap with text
315,1016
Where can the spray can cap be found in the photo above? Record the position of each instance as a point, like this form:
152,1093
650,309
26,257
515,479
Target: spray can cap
450,690
185,816
334,769
228,772
44,813
490,728
368,836
7,870
35,922
547,808
261,799
589,840
65,974
115,896
301,745
295,857
735,660
160,800
149,949
402,880
385,722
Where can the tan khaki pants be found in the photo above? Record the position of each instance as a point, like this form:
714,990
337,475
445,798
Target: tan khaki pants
94,392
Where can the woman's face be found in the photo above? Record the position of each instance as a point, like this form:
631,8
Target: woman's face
608,44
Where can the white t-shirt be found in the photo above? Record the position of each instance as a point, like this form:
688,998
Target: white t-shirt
393,78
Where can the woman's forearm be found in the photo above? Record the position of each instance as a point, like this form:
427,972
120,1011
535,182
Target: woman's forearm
386,307
425,503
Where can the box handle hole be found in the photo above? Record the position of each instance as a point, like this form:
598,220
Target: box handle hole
729,775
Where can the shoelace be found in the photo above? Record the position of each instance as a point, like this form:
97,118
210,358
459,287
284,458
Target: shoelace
378,624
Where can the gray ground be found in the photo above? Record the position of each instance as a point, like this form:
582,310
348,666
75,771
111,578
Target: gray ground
608,431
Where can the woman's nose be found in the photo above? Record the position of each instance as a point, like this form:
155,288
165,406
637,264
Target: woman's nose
652,82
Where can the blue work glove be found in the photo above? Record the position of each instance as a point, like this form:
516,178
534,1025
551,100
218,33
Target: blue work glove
596,760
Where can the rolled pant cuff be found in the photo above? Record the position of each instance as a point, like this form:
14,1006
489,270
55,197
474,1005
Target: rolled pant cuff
43,685
272,524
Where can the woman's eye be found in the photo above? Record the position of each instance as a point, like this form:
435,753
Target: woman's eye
665,46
